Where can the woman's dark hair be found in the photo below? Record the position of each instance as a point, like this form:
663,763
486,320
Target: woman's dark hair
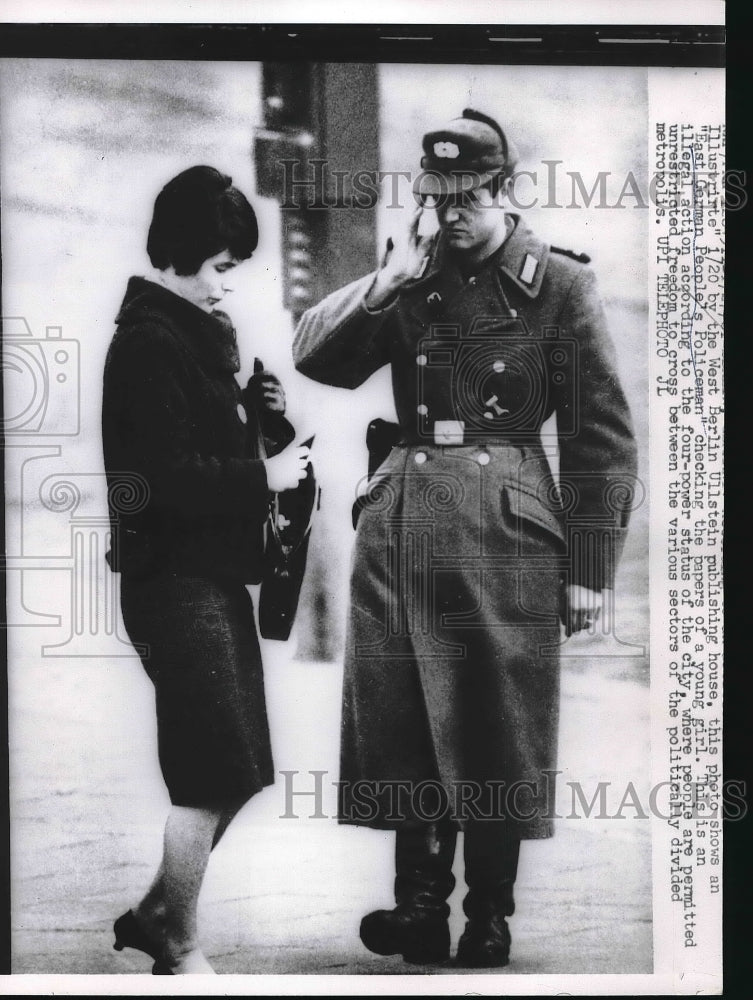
199,214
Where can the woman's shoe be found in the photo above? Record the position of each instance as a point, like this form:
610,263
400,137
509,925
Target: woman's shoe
160,968
128,934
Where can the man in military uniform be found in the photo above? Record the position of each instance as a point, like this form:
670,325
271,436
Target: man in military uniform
468,552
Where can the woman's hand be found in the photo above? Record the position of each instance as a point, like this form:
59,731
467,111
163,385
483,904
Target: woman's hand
404,261
286,470
264,391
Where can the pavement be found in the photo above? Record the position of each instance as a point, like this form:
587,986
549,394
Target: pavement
285,895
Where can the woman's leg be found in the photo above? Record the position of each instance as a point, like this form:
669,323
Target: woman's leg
152,906
226,818
168,911
151,910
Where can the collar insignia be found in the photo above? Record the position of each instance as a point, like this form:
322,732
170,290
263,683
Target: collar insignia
528,271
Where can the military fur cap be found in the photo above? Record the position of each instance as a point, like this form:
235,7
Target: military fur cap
466,154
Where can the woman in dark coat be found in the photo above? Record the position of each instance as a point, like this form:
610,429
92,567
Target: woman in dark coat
188,484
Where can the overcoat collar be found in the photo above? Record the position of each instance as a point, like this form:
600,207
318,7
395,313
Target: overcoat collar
210,337
522,258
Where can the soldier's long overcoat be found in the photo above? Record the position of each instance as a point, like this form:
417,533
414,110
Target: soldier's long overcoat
465,543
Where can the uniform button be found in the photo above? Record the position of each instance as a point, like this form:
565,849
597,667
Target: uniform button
241,409
420,457
421,359
483,458
499,366
422,409
514,313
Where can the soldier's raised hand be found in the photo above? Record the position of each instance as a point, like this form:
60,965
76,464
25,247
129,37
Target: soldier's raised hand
404,261
408,256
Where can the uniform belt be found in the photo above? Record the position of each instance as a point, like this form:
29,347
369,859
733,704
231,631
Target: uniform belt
454,433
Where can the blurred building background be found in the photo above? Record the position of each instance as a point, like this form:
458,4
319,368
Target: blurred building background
87,145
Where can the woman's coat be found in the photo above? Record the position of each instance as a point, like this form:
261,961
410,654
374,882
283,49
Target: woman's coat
187,489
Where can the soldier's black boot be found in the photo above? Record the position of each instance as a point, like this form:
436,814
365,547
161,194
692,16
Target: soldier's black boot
417,928
491,867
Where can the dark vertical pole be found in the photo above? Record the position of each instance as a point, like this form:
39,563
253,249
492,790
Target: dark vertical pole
321,129
350,124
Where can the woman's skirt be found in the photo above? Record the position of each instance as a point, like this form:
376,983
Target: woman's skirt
202,655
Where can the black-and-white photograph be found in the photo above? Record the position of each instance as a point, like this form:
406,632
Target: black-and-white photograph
327,422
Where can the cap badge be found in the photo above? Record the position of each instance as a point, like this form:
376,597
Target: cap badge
434,300
446,150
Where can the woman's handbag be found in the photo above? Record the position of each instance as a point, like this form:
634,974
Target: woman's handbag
286,544
287,530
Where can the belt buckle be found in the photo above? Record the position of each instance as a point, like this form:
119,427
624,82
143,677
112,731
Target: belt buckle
449,431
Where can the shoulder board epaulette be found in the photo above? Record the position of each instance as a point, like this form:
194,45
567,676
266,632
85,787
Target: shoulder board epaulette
582,258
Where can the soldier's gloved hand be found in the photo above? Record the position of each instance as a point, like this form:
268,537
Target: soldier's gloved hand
404,261
264,391
582,608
